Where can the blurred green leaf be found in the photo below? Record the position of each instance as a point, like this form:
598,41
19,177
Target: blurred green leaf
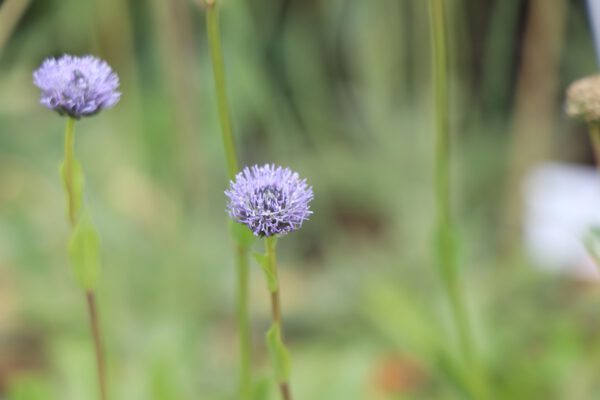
592,244
263,261
261,388
84,250
241,234
28,387
280,356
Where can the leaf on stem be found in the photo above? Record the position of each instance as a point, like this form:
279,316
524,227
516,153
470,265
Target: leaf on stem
242,235
84,251
263,261
280,356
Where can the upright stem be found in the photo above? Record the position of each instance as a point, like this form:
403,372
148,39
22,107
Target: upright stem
98,347
245,389
595,138
69,161
446,250
69,166
284,386
214,40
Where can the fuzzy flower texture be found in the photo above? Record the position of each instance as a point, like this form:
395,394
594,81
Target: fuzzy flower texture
269,200
583,99
77,86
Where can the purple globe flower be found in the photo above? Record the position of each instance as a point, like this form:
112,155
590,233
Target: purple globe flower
77,86
269,200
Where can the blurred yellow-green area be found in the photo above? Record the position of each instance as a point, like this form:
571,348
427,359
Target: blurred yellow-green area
340,91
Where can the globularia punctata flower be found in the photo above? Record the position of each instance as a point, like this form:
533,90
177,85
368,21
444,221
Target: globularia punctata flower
77,86
269,200
583,99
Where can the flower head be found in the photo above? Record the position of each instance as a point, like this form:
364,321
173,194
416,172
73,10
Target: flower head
269,200
583,99
77,86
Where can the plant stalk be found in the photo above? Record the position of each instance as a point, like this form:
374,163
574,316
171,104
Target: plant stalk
595,138
284,385
242,252
446,233
90,295
98,346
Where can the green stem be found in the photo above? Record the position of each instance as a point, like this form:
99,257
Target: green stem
69,166
284,386
69,161
446,246
245,389
242,253
214,40
98,347
595,137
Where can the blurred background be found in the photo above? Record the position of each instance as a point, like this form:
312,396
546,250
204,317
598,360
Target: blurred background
340,91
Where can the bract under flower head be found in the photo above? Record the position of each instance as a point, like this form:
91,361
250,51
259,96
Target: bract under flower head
583,99
269,200
77,86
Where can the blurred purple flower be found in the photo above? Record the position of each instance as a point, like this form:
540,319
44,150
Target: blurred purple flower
77,86
269,200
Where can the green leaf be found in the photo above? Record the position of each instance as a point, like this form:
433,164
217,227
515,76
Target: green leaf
263,261
78,185
261,389
280,356
84,251
242,235
592,244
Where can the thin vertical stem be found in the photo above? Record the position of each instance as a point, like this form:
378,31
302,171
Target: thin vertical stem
68,170
446,250
595,138
245,389
69,166
98,346
214,40
284,386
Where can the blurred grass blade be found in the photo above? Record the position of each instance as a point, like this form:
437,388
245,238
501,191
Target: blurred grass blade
11,12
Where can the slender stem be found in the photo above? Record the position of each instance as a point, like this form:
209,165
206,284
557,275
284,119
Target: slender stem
98,346
284,386
595,137
214,40
446,249
68,170
243,321
69,166
245,389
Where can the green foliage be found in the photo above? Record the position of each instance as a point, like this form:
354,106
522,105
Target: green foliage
242,235
261,389
592,243
84,251
280,356
270,274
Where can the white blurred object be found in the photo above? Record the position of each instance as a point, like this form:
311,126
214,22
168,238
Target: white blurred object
562,205
594,14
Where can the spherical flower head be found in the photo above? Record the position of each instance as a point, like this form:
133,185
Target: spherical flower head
77,86
583,99
269,200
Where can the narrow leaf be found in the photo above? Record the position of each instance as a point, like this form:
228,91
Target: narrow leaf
241,234
263,261
280,356
84,251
